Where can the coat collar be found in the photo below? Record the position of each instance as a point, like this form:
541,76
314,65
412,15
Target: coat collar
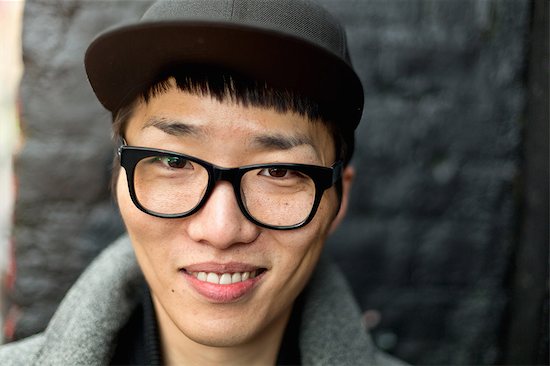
86,323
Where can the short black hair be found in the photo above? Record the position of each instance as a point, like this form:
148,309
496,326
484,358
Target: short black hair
224,85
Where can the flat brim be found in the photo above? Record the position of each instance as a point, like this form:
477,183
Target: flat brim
120,62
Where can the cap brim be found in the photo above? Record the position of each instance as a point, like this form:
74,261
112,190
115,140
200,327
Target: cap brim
121,61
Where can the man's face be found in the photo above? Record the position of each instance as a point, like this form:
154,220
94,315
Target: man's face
218,238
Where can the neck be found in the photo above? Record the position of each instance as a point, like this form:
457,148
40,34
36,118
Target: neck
179,349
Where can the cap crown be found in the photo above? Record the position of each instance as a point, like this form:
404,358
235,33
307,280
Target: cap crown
291,45
296,18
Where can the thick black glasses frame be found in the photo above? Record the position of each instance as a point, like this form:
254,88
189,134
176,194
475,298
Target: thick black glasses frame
323,178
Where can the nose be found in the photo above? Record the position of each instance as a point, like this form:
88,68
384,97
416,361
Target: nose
220,222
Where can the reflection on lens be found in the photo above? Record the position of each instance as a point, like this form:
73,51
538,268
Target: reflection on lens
278,197
169,185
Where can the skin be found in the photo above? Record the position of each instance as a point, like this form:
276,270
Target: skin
195,330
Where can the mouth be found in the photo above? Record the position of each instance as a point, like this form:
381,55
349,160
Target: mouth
227,278
223,283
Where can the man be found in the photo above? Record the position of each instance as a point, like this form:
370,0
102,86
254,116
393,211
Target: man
234,122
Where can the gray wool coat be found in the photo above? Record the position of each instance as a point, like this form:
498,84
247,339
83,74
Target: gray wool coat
84,328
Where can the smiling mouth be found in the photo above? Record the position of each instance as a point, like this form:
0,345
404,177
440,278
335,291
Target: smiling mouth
226,278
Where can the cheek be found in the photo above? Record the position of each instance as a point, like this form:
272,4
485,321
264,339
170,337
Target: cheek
317,231
326,212
136,221
300,249
141,227
130,214
148,235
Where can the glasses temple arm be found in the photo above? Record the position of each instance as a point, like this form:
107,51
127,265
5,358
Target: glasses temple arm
337,170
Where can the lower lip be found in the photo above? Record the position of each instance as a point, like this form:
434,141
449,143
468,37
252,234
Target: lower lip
222,294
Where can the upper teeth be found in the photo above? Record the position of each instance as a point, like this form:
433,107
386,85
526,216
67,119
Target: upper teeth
223,278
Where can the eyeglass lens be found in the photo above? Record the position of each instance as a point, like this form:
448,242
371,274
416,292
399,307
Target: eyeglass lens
169,185
172,185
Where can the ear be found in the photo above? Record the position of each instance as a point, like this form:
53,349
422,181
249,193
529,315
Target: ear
347,179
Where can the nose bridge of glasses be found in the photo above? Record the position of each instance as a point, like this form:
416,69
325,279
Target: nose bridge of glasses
231,175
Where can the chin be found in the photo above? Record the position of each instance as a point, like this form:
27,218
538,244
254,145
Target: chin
221,335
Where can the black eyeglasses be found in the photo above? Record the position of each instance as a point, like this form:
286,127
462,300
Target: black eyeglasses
276,196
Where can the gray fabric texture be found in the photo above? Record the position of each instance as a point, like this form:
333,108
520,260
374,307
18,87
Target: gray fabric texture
83,330
286,16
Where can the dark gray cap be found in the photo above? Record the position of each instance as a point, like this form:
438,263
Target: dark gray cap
289,44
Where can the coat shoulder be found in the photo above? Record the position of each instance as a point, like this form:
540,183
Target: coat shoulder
23,352
384,359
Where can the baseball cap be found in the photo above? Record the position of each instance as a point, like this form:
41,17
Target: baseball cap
292,45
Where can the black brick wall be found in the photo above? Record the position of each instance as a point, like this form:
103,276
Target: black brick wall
433,225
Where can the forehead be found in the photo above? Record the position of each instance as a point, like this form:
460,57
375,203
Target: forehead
176,120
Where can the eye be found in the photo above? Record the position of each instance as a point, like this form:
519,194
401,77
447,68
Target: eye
275,172
174,162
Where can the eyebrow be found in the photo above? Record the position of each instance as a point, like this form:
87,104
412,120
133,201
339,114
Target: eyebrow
173,127
264,141
281,142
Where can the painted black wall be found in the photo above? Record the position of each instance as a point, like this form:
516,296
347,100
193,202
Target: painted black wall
438,213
